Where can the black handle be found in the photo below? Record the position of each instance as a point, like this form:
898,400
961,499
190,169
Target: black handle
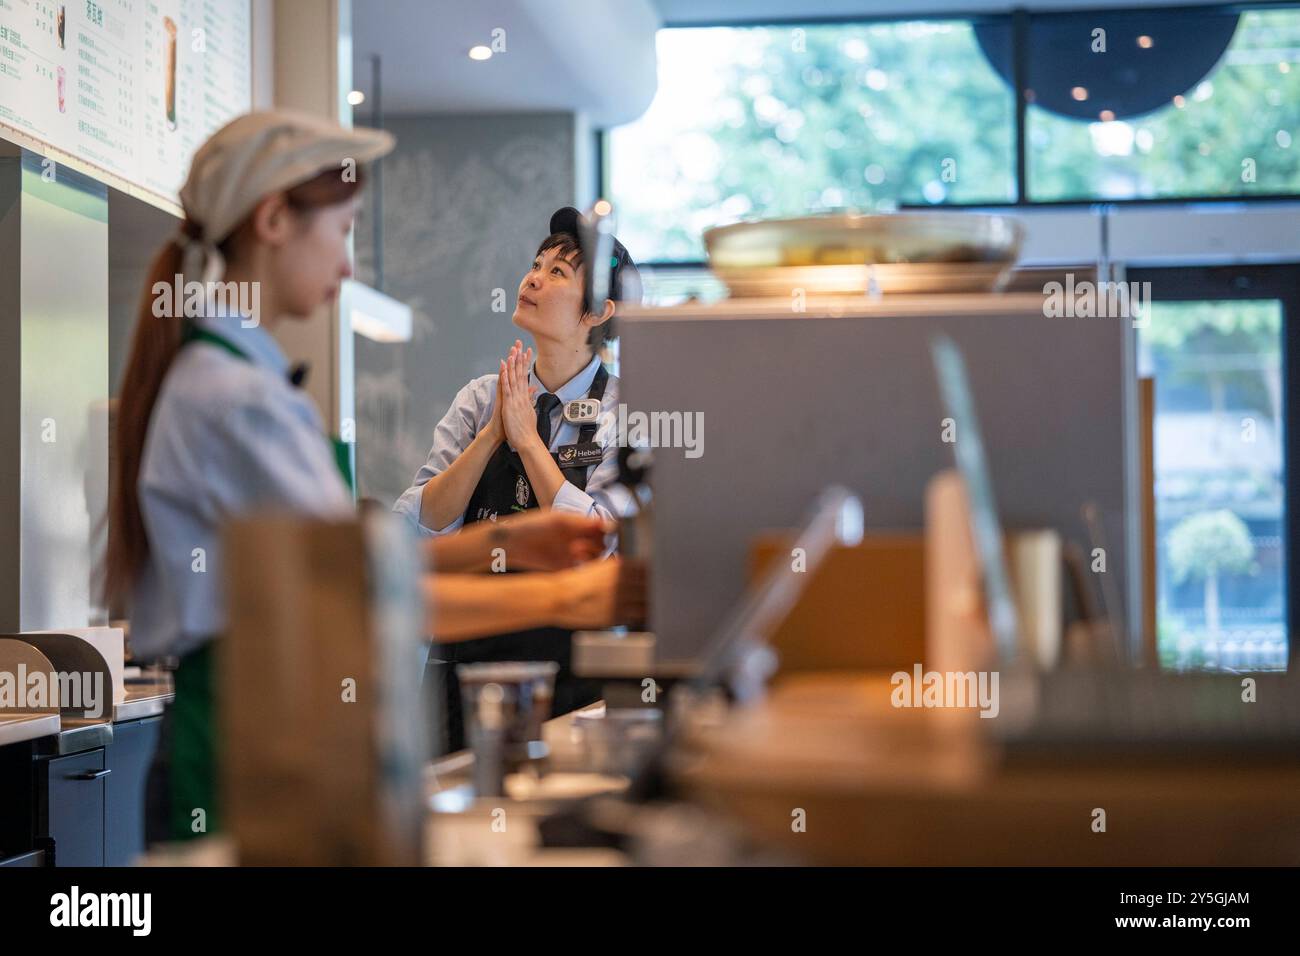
90,775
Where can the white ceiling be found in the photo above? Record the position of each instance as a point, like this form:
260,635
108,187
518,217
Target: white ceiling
592,56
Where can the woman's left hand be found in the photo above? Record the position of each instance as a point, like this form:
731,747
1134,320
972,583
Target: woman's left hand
517,413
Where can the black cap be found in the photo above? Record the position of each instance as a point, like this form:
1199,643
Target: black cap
624,279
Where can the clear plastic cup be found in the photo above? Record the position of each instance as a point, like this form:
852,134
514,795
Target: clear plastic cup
526,692
618,739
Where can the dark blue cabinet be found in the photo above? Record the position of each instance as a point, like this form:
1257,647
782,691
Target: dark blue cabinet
130,756
74,806
82,808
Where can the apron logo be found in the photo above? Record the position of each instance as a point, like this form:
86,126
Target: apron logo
521,491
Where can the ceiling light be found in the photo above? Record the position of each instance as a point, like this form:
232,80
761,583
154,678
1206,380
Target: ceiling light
479,53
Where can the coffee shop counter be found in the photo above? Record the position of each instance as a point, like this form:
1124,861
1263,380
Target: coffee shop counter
464,830
874,784
73,788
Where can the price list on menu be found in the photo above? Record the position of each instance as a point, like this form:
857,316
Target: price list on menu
130,86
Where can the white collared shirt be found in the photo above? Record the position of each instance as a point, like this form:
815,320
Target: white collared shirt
471,412
227,438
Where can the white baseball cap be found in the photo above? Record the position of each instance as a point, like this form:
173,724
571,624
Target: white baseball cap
253,156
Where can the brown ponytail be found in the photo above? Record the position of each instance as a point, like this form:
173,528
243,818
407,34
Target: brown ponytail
154,345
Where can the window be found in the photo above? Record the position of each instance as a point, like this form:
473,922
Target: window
1186,104
788,121
1220,467
773,121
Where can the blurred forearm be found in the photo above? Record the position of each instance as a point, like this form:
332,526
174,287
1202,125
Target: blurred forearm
464,606
594,595
469,550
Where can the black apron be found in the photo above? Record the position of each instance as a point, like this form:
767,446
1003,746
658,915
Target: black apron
502,490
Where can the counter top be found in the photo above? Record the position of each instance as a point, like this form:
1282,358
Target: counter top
885,786
19,727
447,778
144,699
73,735
463,830
842,306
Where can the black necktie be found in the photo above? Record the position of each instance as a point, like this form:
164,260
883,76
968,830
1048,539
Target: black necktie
546,403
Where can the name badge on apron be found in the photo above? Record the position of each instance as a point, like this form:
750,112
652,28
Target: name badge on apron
579,455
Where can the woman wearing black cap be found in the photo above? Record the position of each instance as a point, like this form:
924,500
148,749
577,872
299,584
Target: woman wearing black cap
534,434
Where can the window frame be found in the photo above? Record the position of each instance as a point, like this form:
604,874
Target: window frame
1018,22
1274,281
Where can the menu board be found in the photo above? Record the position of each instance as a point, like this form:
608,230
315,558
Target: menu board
131,87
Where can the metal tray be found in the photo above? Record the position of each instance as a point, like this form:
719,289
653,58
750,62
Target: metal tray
845,254
905,279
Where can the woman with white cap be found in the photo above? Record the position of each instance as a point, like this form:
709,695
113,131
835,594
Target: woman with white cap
210,426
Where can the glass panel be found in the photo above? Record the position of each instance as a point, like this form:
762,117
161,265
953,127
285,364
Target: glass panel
1220,522
789,121
1178,104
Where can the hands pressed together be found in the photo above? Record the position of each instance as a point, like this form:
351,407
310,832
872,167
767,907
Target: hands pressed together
576,588
514,419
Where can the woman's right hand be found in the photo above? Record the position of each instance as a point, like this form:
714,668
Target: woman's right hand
599,594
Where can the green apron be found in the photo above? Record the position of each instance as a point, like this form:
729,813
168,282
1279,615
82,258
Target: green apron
195,756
